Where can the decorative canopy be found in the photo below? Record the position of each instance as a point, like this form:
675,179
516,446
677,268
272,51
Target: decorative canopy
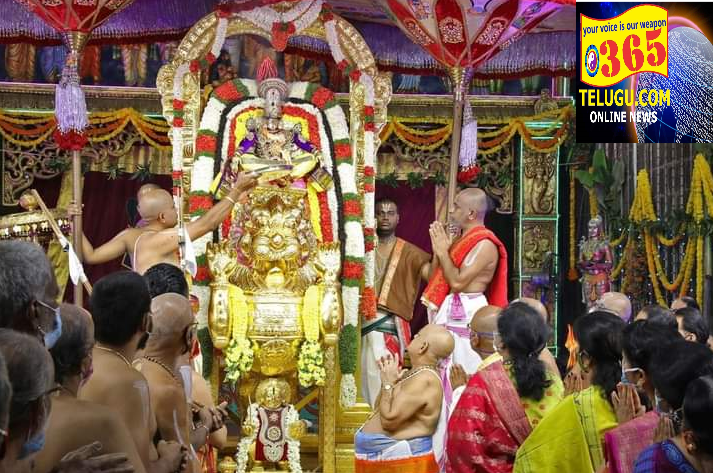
465,33
546,49
74,15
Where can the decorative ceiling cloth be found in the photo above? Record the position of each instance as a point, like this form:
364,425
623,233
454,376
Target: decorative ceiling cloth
544,51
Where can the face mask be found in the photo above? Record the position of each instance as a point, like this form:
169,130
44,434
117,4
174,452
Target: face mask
33,445
624,377
52,337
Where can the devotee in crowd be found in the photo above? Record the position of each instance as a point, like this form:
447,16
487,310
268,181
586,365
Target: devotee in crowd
74,423
31,377
616,303
172,335
673,367
658,315
400,267
28,291
690,450
691,325
158,240
545,355
685,301
165,278
503,401
483,328
121,307
399,432
467,273
570,438
634,397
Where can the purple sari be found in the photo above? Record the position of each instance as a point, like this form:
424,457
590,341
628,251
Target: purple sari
664,457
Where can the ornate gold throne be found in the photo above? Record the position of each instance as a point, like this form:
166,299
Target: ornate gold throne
270,314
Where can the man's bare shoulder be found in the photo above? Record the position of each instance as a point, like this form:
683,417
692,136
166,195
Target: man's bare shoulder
114,384
92,415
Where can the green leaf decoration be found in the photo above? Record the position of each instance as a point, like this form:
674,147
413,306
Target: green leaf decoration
415,180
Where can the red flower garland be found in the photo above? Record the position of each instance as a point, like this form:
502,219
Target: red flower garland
322,96
352,270
199,203
368,303
352,208
325,218
71,141
369,235
206,143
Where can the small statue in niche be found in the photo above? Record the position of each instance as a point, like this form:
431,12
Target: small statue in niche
595,262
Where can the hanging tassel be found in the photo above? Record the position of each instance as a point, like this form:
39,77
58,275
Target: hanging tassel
70,105
468,156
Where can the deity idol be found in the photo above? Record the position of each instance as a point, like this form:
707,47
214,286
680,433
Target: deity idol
273,426
274,148
595,262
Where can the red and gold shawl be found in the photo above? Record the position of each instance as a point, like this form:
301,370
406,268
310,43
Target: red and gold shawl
497,292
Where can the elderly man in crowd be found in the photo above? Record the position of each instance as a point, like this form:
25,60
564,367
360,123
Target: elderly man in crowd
76,422
28,291
408,408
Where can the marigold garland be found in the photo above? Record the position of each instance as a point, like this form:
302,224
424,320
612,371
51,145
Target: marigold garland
698,206
103,126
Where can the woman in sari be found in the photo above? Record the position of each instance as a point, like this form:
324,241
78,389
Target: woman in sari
691,451
637,420
570,438
503,401
673,368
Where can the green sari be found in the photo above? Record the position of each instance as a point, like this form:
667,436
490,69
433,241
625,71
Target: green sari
570,438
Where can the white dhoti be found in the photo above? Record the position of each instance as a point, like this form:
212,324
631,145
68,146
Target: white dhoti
455,314
384,336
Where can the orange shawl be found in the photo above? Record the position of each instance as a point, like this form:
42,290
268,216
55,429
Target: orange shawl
497,292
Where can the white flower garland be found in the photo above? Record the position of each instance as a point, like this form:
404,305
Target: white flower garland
241,456
293,445
350,295
302,15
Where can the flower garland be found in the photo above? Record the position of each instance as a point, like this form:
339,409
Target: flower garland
239,354
283,25
293,444
699,206
358,269
310,364
103,126
241,456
